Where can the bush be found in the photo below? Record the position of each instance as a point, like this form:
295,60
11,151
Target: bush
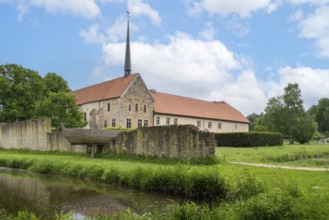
248,139
275,204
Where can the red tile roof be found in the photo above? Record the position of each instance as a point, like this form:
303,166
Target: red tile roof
183,106
105,90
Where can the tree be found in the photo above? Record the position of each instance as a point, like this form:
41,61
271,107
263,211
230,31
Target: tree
20,88
322,115
286,114
61,108
257,122
55,83
305,128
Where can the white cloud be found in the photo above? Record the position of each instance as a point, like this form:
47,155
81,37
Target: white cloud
193,7
194,68
242,8
311,82
316,27
237,28
92,35
85,8
209,32
313,2
297,15
139,7
22,9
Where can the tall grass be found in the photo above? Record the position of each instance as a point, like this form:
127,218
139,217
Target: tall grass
180,179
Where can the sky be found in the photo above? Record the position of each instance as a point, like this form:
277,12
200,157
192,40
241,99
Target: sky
241,52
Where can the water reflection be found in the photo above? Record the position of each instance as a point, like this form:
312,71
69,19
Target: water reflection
48,196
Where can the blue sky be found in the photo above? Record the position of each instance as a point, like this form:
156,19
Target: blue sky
242,52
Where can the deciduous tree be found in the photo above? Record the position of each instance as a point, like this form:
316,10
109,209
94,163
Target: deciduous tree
20,88
61,108
286,114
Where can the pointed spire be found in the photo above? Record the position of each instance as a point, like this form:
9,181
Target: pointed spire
127,55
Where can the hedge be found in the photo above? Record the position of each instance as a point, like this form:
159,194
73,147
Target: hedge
249,139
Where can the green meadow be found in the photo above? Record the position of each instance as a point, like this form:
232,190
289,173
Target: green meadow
228,191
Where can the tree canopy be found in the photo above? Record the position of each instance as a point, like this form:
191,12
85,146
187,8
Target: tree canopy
20,88
61,108
286,114
23,92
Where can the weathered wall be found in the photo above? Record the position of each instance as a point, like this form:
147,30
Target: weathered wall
34,135
29,134
183,141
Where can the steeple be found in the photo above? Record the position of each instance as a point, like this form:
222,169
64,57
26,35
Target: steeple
127,54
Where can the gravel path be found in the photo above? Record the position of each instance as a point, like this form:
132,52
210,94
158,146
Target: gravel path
281,167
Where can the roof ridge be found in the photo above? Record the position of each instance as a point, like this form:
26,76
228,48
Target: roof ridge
104,82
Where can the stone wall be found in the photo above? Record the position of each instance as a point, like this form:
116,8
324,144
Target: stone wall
34,135
176,141
180,141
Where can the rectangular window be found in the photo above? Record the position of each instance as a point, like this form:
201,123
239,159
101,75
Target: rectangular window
139,124
167,121
198,123
108,107
128,123
146,123
84,116
129,108
113,123
157,121
236,127
219,125
209,124
105,124
175,121
144,108
136,107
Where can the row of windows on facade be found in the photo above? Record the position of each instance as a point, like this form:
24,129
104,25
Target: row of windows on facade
129,108
176,122
128,124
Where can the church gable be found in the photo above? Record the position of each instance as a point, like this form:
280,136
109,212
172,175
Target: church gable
137,105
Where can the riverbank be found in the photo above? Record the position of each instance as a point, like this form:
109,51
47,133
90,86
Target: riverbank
237,191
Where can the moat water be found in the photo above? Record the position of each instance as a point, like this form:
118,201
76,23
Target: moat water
49,196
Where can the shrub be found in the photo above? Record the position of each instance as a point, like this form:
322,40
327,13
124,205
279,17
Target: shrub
245,187
249,139
275,204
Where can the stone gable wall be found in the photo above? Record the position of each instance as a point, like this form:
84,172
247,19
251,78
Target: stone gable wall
137,93
176,141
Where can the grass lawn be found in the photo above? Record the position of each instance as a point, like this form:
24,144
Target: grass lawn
311,155
312,185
